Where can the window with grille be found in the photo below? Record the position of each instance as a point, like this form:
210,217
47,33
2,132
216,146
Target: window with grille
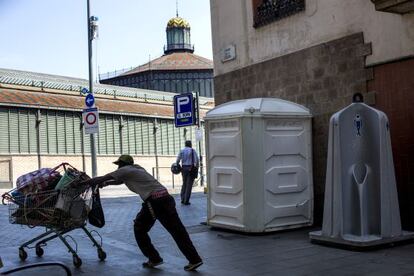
268,11
4,130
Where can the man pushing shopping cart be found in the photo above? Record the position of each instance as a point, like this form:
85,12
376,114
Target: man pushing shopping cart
56,199
158,204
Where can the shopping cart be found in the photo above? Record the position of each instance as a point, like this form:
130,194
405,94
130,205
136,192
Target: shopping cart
61,208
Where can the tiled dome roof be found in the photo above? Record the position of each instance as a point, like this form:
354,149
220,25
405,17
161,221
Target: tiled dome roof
178,22
174,61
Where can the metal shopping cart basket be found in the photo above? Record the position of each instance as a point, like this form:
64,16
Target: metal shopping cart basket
60,207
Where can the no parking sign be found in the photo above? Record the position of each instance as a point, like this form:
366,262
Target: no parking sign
91,120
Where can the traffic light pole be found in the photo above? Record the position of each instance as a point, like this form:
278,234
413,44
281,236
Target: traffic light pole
90,38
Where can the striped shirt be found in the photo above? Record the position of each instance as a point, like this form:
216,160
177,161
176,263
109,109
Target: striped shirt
185,157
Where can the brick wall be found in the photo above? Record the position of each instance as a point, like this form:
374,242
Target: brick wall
322,78
393,85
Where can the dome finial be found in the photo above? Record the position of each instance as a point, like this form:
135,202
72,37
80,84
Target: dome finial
176,7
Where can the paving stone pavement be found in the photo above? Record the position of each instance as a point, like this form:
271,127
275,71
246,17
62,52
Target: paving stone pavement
224,252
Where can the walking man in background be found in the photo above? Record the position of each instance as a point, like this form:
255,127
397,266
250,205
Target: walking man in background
158,204
189,162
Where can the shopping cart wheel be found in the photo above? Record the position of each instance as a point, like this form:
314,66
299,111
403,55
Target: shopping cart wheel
22,254
101,254
77,262
39,251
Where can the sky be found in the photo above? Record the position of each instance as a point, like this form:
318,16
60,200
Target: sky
50,36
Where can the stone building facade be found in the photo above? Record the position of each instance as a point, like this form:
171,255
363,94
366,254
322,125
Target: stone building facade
318,54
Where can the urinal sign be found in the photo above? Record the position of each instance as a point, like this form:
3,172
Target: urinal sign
358,124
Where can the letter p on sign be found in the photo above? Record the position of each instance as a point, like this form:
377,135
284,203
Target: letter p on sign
182,101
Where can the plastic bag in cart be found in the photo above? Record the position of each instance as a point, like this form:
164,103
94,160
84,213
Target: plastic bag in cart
96,216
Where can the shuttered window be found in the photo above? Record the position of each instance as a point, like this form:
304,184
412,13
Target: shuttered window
14,130
4,130
52,131
70,133
163,137
190,134
110,139
43,132
78,133
145,136
87,142
176,138
129,129
101,140
171,138
139,135
61,131
32,131
116,123
159,137
123,136
23,125
183,136
151,136
109,135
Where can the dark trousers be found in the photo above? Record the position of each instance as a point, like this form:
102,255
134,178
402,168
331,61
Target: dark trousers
163,210
187,186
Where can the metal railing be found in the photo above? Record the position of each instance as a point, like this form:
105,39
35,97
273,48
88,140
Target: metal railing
154,174
114,74
162,177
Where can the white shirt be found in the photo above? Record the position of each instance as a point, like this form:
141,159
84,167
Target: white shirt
185,157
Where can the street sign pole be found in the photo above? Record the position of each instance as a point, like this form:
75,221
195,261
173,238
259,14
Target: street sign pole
90,38
199,141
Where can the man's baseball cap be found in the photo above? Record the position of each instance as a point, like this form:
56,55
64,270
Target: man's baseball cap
126,159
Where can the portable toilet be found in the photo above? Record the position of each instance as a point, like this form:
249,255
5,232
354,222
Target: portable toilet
259,159
361,202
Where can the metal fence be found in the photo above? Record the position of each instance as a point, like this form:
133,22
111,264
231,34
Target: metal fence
166,177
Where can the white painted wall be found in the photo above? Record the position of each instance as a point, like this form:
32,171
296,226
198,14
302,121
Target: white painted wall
392,35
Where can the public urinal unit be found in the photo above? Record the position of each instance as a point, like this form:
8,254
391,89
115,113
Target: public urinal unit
361,202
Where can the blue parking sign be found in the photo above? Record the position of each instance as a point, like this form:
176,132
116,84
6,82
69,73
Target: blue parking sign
184,110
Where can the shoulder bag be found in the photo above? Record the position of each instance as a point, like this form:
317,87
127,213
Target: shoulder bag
194,169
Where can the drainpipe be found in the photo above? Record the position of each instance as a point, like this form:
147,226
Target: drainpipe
155,128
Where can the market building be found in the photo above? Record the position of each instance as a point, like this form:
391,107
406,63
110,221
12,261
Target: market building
41,125
318,54
179,70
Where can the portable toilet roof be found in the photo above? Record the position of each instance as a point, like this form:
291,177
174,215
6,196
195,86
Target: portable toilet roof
258,107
